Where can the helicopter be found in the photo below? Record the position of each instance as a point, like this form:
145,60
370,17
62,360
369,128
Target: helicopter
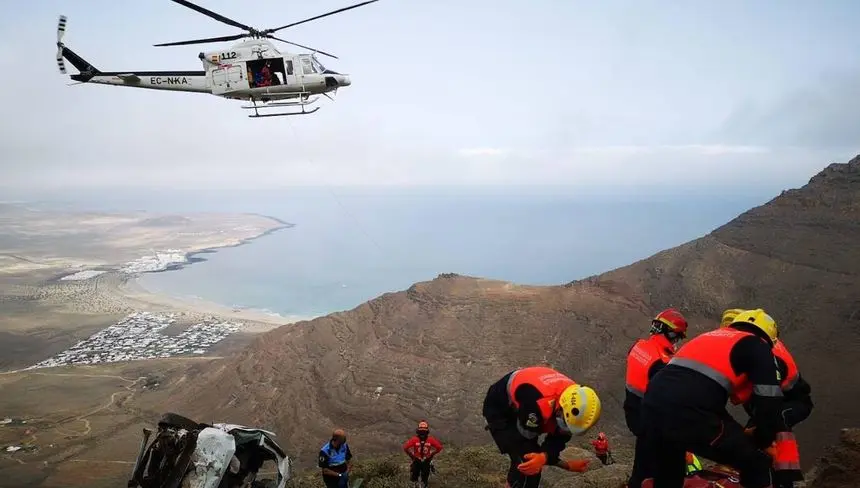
252,69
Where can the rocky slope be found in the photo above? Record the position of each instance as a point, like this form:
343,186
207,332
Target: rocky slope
432,350
840,465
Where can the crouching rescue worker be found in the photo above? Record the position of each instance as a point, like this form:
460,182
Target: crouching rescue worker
531,401
601,448
684,408
644,360
335,460
796,405
421,448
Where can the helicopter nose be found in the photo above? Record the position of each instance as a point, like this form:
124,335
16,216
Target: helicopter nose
343,80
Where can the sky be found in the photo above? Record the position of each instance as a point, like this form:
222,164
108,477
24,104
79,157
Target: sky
616,95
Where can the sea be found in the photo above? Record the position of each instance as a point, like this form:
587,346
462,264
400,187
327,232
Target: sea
348,245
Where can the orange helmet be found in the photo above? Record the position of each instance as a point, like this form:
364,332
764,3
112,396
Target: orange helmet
423,426
670,322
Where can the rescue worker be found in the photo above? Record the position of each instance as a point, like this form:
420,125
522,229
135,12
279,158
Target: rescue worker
684,408
693,464
531,401
601,448
796,407
645,358
797,400
335,461
421,449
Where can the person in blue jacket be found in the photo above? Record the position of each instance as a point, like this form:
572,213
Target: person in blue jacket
335,461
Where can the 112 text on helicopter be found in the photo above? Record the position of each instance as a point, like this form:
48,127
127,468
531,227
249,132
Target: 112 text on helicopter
252,69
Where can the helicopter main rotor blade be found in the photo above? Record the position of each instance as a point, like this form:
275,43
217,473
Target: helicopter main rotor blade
303,47
203,41
269,31
212,14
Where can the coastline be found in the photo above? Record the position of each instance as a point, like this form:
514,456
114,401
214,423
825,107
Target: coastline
258,320
132,289
192,256
63,296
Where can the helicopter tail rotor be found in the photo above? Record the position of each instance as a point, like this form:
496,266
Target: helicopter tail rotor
61,31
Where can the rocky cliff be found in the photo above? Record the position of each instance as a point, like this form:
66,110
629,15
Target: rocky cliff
432,350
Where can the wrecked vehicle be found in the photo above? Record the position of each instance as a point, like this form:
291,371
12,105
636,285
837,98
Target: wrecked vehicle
187,454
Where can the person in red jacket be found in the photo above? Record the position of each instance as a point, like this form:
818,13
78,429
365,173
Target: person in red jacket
644,360
421,448
601,448
797,400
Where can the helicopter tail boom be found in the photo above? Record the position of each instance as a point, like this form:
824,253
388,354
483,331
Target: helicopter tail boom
193,81
86,69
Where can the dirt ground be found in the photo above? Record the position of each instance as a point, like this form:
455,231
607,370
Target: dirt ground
81,426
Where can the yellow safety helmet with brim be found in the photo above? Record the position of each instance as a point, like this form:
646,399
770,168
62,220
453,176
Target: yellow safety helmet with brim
761,320
729,315
579,409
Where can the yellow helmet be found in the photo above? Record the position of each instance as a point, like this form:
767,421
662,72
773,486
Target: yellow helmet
579,408
729,315
760,319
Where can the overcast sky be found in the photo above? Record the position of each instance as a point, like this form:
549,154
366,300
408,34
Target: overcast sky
609,94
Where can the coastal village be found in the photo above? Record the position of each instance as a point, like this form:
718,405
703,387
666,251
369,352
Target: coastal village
140,336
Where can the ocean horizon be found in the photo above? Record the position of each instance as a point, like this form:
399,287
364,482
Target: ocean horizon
347,246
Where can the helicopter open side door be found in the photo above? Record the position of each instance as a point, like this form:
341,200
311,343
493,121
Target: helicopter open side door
227,78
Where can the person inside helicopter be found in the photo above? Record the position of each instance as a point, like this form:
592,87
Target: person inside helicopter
266,72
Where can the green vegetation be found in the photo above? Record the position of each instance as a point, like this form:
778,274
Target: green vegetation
465,467
468,467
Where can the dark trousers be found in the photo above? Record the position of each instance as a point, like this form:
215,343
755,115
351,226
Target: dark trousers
331,481
640,460
502,424
633,418
511,442
672,431
419,469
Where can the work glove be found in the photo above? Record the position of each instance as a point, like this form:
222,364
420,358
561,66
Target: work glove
343,482
771,450
535,461
576,465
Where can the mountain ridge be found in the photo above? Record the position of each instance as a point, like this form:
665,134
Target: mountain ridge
430,351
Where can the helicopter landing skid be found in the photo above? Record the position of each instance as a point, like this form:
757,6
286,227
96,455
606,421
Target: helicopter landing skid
302,103
284,114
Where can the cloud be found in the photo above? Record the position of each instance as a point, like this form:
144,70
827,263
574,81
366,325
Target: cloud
825,114
483,151
690,149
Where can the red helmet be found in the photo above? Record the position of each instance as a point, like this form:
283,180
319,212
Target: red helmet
423,427
670,322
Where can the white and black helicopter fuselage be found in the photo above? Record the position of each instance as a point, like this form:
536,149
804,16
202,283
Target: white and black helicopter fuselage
253,70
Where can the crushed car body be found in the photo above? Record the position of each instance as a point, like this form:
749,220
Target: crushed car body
187,454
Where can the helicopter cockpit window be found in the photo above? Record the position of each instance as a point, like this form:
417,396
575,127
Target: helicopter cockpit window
317,65
307,66
266,72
